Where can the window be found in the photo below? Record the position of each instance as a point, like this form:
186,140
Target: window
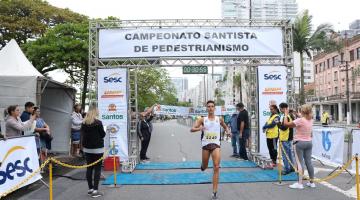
320,66
342,57
351,55
328,63
336,61
316,69
336,90
335,76
324,66
358,53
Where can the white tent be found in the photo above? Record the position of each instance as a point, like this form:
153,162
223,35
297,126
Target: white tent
20,82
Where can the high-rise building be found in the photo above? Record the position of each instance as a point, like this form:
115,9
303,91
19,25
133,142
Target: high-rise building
259,9
181,85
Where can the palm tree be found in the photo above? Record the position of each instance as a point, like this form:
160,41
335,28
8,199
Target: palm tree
305,40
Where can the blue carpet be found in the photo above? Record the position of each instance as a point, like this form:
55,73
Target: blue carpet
197,178
194,165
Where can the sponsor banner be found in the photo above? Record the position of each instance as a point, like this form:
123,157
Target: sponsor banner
328,144
19,159
355,147
185,111
190,42
271,90
113,108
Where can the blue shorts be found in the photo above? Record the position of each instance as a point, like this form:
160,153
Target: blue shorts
75,136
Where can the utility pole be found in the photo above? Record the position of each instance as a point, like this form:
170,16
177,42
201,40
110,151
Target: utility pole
348,115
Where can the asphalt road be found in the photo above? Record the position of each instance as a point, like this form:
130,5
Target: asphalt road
172,142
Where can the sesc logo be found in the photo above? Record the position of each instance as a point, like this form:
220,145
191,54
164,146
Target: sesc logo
272,76
326,142
113,78
12,169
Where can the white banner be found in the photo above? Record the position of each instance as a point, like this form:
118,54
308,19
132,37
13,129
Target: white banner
190,42
271,88
355,147
113,108
185,111
19,159
328,144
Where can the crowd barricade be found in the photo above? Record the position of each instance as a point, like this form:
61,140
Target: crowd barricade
28,145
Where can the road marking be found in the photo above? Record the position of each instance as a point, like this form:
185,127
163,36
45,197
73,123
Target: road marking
349,193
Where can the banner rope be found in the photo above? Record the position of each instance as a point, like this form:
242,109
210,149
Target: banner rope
80,166
317,180
17,186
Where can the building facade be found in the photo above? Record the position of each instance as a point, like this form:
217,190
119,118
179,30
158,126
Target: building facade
331,83
259,9
181,85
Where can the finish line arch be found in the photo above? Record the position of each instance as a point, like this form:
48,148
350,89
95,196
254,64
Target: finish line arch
134,44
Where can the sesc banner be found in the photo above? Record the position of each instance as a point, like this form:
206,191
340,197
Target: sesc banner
271,89
19,159
113,108
328,144
190,42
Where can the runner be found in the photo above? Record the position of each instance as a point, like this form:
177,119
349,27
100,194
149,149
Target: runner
210,141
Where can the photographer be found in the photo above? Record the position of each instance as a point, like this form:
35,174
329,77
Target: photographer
14,126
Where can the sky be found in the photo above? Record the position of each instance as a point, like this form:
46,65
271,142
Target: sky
338,13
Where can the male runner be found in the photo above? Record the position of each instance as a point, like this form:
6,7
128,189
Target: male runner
210,141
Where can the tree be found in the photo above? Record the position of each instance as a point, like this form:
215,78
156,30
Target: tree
64,47
29,19
154,86
305,41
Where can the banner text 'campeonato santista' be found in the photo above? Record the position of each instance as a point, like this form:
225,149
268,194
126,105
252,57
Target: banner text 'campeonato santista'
191,36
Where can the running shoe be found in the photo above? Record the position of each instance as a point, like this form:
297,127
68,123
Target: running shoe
312,185
296,186
96,194
90,191
214,196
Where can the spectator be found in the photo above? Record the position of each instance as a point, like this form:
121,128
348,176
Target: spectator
235,142
325,118
77,120
286,137
43,130
272,132
144,132
303,144
29,110
244,129
92,133
14,126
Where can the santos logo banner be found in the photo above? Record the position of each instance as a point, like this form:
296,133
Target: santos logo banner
18,157
112,103
328,144
189,42
272,90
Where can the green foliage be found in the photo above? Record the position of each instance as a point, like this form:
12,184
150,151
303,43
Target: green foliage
154,86
29,19
237,80
304,41
63,47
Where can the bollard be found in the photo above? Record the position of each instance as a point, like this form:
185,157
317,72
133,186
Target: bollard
114,164
279,163
357,176
50,180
